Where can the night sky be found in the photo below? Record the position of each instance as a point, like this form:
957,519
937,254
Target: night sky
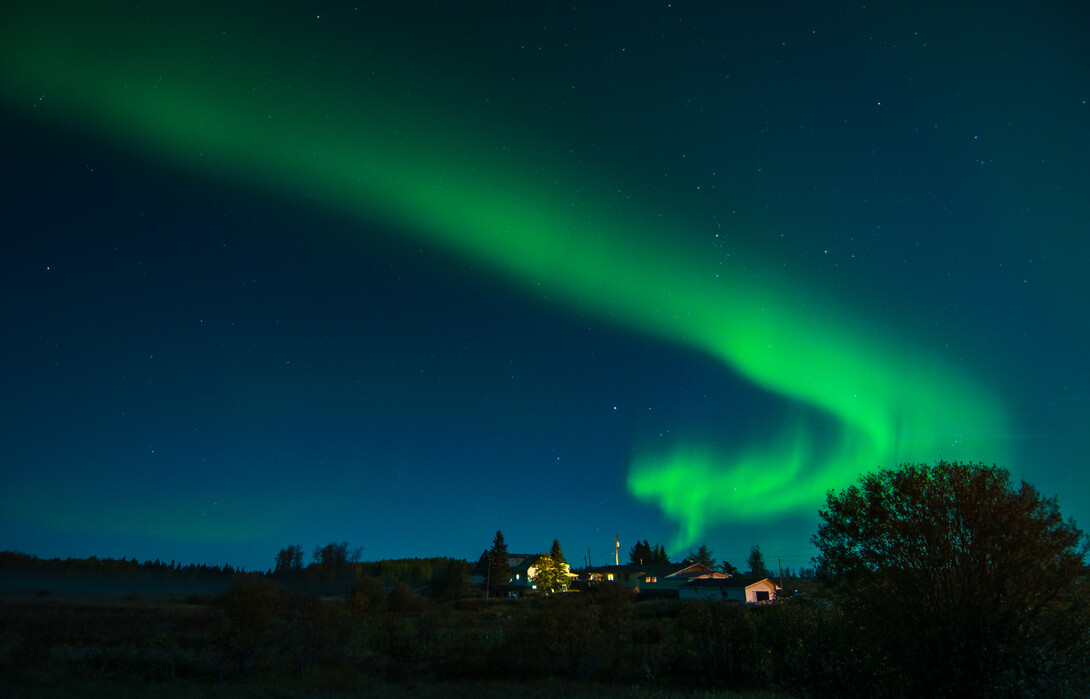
404,274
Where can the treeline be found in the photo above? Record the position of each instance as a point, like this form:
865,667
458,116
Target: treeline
334,571
21,564
320,579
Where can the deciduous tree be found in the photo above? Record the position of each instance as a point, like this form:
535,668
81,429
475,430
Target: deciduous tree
551,570
289,559
965,583
547,574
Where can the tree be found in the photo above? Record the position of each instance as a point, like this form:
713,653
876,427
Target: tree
499,569
703,556
448,581
727,568
961,583
557,554
333,556
548,576
289,559
551,570
756,562
640,553
643,553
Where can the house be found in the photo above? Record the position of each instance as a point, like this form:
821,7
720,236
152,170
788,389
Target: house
738,588
652,577
523,570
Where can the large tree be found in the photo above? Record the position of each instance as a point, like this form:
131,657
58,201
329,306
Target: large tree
335,555
640,553
557,554
959,582
548,575
756,562
703,555
551,574
289,559
643,553
499,569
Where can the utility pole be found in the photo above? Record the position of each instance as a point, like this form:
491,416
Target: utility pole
616,550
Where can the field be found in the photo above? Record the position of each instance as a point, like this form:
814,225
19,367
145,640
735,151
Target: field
257,640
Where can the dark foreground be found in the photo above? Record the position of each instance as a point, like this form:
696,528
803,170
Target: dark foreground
256,640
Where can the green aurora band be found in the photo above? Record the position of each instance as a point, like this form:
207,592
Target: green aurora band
229,110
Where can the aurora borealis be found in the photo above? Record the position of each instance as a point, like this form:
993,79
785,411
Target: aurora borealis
671,277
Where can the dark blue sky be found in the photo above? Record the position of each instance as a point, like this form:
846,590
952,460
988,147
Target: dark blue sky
210,362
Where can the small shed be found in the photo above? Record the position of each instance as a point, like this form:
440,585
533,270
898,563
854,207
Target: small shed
738,588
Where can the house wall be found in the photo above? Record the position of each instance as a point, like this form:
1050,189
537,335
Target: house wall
737,594
725,593
766,586
709,593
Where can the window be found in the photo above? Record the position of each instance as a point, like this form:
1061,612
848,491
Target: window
609,577
651,579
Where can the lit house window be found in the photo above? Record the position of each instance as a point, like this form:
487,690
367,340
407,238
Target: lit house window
609,577
651,579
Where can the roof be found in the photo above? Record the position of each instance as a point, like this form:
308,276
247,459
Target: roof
659,570
742,581
516,561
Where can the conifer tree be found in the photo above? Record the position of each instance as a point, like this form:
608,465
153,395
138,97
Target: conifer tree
556,554
499,569
756,562
703,556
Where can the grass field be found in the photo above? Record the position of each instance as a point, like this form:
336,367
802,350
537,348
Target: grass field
255,640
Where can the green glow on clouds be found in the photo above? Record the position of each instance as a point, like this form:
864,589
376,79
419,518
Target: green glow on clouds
245,113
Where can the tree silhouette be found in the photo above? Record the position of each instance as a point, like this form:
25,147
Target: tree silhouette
499,569
756,562
335,555
556,554
289,559
703,556
643,553
640,553
960,582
